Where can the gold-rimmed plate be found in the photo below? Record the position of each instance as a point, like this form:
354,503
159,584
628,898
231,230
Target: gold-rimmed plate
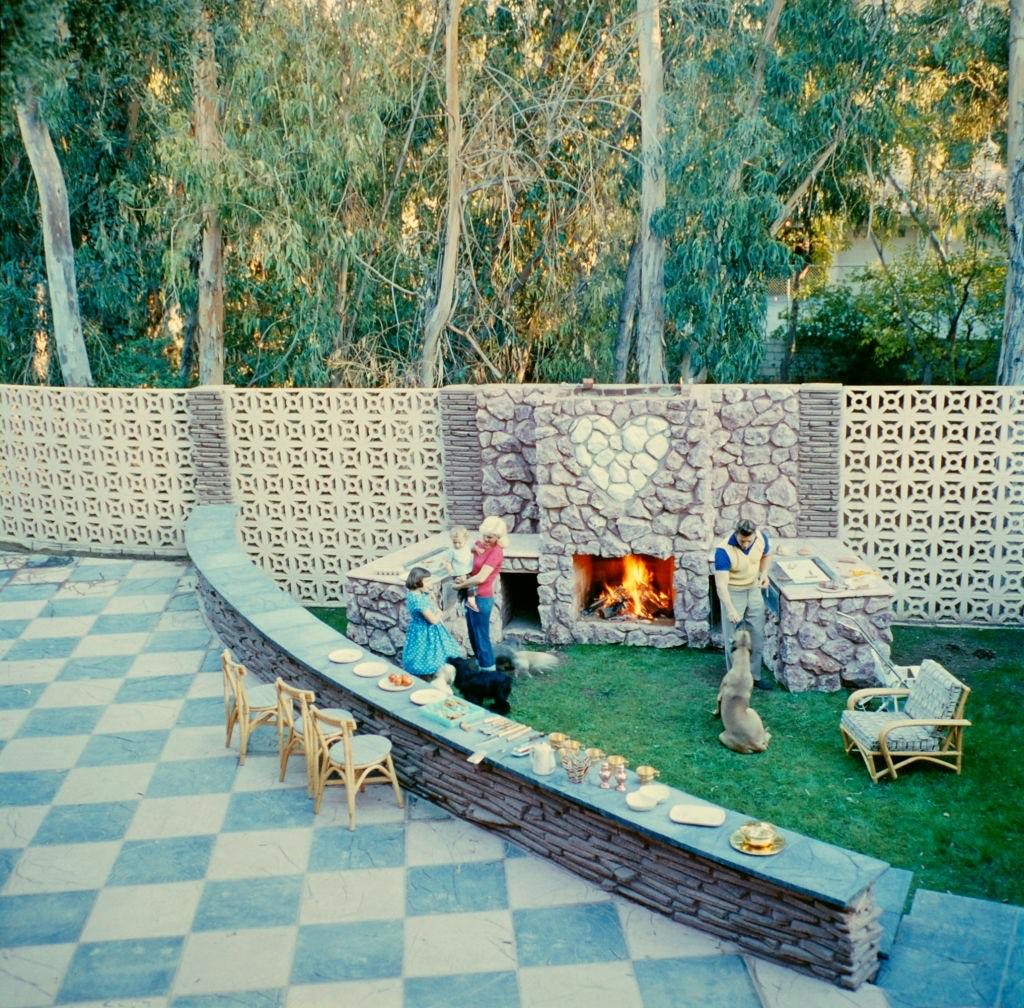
743,847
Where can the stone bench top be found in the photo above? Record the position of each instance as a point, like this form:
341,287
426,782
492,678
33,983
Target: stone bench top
834,875
836,558
429,552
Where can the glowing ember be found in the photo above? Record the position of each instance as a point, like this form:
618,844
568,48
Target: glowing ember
635,596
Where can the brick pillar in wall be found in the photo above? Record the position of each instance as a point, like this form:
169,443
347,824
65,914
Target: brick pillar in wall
821,415
460,449
211,454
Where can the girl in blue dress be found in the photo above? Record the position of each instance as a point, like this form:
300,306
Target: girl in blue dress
428,642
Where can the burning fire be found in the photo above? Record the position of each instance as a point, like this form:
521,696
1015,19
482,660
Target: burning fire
634,597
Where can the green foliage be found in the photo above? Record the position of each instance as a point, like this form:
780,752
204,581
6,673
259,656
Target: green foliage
332,181
921,321
90,63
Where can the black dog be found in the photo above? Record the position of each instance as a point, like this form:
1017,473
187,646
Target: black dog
477,686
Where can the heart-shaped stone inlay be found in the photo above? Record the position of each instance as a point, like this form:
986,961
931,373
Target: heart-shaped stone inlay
620,462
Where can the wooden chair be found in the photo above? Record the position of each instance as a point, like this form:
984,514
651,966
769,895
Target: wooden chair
293,734
927,724
248,708
353,760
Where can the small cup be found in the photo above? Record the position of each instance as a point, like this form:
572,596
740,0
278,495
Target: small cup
758,834
646,774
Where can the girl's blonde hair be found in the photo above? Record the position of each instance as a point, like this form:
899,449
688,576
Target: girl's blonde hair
495,526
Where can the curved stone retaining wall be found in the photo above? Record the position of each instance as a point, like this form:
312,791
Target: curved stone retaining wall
810,908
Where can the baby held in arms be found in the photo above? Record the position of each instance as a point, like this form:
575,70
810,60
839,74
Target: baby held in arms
459,561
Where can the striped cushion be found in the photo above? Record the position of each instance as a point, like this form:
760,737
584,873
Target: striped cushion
366,749
866,726
934,694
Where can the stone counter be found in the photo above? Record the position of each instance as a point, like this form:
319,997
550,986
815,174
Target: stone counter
807,645
811,907
377,616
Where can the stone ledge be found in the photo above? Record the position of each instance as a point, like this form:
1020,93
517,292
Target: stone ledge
811,908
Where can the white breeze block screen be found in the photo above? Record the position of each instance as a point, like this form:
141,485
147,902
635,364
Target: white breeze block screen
101,469
933,493
333,478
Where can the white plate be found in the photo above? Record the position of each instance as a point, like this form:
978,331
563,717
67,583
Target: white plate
369,669
697,815
390,687
640,802
659,792
425,696
345,655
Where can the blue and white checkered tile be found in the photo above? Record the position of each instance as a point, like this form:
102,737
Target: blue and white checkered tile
141,865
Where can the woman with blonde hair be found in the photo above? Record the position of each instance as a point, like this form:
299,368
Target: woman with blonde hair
488,556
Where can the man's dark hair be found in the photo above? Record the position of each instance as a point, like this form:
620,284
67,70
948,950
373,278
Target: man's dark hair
745,527
416,578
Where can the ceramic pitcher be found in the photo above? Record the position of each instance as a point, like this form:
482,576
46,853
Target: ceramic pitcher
543,759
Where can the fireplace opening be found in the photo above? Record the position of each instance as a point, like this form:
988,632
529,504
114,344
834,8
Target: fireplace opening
520,612
636,587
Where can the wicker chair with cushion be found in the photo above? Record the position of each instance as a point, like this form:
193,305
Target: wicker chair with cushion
293,734
248,708
350,759
929,727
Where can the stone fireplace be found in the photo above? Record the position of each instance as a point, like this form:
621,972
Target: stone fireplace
613,492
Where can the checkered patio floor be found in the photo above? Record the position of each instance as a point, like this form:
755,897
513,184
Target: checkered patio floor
141,866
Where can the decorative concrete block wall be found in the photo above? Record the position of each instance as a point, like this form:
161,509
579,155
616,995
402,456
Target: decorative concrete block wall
930,481
106,471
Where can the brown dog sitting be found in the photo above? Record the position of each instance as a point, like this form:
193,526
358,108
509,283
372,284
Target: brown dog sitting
744,732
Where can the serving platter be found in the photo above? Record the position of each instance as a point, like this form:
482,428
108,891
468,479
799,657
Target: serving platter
345,655
697,815
370,669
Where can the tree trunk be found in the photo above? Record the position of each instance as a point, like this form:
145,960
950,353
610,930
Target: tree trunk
1011,357
627,313
650,349
210,283
60,253
441,310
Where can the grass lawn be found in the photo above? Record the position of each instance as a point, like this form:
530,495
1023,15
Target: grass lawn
955,833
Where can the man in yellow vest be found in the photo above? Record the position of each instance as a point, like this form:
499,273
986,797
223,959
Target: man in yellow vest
741,571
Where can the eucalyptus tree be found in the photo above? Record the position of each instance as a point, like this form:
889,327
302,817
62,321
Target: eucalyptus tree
768,107
34,34
650,330
1011,360
311,100
87,65
441,309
